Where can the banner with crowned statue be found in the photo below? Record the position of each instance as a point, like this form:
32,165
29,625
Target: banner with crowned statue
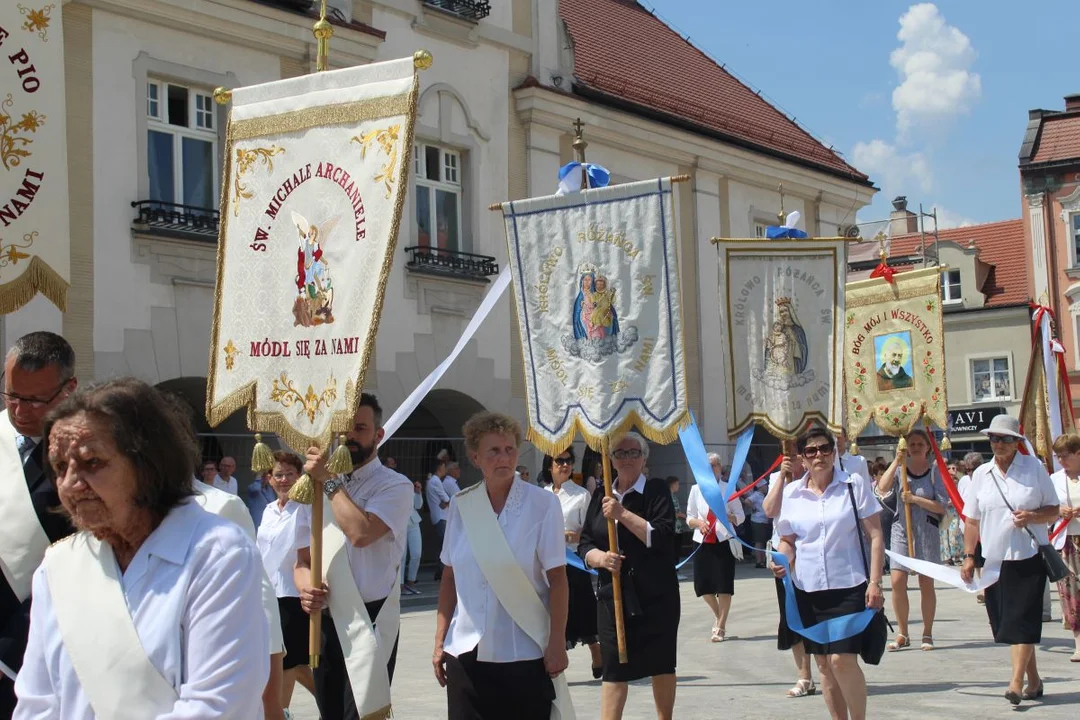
34,221
894,354
778,302
314,183
596,290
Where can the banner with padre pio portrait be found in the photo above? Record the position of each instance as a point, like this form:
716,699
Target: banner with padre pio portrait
314,182
34,230
778,302
894,354
596,289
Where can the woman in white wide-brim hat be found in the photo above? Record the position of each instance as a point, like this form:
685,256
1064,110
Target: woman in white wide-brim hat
1008,503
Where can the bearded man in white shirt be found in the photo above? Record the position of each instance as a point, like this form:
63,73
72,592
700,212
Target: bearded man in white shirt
370,508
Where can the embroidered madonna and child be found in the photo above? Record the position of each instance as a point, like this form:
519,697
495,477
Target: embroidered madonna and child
595,321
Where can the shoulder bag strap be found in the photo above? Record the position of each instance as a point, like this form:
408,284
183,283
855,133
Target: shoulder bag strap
1009,505
858,531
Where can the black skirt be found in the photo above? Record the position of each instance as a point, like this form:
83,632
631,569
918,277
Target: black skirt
714,570
295,628
785,638
581,613
761,532
1014,602
478,690
821,605
651,636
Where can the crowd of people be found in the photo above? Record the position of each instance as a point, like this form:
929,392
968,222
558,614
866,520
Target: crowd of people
115,543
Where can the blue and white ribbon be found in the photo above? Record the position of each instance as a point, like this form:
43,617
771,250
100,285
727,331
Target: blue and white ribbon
828,631
574,561
570,177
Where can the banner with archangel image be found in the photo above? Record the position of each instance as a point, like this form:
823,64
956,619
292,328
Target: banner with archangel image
778,304
894,353
315,176
596,289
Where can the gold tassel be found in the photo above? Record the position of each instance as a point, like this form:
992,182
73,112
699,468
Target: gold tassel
303,491
946,444
853,448
262,459
340,462
901,444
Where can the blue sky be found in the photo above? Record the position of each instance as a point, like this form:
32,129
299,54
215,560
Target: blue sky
937,115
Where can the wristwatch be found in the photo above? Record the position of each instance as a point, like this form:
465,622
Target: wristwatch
874,582
332,485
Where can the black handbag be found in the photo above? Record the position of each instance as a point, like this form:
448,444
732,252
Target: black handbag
1055,566
876,635
631,603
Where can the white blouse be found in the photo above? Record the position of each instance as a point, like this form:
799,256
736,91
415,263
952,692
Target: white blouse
194,593
1027,485
574,501
696,507
1068,493
828,551
532,522
277,545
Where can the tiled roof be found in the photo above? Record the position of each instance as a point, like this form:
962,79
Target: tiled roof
1059,139
1001,246
624,52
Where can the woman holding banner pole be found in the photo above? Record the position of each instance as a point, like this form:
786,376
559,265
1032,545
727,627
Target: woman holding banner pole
925,494
1067,484
1008,503
714,564
650,588
822,542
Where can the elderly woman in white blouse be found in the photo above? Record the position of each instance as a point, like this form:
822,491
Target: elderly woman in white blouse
574,499
819,529
277,546
714,563
1008,503
500,639
153,609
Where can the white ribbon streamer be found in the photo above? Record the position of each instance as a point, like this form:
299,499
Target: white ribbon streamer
1050,374
950,575
417,396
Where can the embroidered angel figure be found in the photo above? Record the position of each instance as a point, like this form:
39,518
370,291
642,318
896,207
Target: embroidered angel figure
315,289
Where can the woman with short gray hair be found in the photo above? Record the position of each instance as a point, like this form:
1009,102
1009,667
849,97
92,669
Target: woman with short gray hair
645,519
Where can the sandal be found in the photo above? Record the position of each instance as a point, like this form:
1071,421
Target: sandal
802,689
1075,657
927,642
718,635
899,643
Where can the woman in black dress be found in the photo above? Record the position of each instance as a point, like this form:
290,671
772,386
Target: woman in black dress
650,587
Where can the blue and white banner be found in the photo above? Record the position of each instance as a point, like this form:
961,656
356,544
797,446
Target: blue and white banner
596,289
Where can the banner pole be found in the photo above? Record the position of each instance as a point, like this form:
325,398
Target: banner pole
613,546
315,633
901,448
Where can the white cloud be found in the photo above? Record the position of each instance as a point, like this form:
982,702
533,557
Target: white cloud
896,172
948,219
934,63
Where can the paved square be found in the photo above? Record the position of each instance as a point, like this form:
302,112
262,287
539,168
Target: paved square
746,677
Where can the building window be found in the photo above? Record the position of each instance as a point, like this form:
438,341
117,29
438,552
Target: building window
1076,238
990,379
760,228
950,287
438,196
181,144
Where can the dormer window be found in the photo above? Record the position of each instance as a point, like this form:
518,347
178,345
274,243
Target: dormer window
950,288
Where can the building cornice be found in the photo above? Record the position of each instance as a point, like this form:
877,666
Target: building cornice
239,22
644,136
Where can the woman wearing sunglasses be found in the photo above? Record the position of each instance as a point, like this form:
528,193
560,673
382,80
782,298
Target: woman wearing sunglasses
574,499
650,588
1008,503
822,541
928,500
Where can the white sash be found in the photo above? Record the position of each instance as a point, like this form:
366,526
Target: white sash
99,634
22,540
512,587
366,647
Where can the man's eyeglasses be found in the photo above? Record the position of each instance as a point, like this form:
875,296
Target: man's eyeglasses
1003,439
563,461
626,454
35,403
815,450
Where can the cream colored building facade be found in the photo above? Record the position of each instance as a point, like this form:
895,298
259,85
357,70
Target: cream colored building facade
495,118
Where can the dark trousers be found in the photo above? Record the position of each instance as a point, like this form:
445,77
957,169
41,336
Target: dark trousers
333,694
495,691
7,697
440,532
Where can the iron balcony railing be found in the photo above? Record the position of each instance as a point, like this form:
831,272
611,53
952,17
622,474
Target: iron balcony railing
170,219
455,263
475,10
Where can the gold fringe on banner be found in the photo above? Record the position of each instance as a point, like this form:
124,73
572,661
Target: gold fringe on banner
37,278
630,423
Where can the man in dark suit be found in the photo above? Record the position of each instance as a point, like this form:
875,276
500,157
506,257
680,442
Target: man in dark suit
39,372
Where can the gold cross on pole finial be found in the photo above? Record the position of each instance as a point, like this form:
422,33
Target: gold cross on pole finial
780,215
882,240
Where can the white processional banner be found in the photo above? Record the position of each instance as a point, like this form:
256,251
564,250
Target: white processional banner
779,302
315,178
596,289
34,230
